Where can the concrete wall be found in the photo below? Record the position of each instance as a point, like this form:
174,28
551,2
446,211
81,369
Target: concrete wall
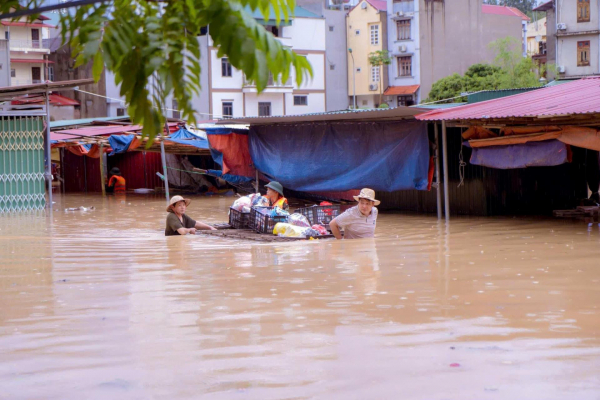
455,35
315,103
566,12
360,20
90,106
336,72
4,62
551,41
201,101
60,113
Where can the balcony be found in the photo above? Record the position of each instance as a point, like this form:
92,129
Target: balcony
30,45
272,86
22,82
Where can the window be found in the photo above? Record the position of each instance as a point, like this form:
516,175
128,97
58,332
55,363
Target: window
403,29
300,100
225,67
330,28
374,74
273,29
120,112
332,67
227,109
405,66
357,32
6,35
13,73
175,107
365,102
51,73
358,69
583,10
405,101
374,34
264,109
583,53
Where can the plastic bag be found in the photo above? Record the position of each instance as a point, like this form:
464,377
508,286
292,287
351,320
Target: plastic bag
299,220
321,229
242,202
278,212
258,200
288,230
309,232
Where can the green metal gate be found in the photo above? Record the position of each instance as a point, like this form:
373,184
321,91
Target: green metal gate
21,164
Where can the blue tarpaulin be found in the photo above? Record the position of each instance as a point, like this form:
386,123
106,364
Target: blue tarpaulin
532,154
227,177
120,143
329,157
183,136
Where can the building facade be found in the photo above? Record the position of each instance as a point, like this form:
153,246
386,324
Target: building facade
573,32
366,27
28,50
429,40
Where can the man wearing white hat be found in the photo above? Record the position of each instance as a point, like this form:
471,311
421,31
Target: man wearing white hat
360,220
178,223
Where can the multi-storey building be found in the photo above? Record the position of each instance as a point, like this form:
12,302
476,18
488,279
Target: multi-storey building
573,32
431,39
366,27
28,50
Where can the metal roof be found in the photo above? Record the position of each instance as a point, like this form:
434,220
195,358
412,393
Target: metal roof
545,7
84,121
8,92
504,10
577,97
377,114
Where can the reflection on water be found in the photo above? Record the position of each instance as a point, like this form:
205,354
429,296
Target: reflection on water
101,303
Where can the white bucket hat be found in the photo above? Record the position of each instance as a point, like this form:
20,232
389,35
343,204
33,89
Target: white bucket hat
368,194
177,199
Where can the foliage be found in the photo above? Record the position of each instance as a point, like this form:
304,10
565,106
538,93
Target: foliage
383,105
153,50
378,59
510,71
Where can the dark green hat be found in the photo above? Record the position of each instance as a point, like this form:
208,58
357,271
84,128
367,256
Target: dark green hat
276,186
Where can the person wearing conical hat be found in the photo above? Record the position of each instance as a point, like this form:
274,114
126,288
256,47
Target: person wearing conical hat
178,223
358,221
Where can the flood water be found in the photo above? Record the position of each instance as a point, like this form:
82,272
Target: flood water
101,305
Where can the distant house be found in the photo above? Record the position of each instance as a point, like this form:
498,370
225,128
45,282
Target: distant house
536,41
28,47
430,40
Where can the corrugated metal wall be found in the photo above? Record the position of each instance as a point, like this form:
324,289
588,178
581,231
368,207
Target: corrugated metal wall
80,173
138,168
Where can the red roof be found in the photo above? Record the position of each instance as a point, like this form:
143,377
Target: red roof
377,4
55,99
401,90
30,61
545,7
503,10
10,23
578,97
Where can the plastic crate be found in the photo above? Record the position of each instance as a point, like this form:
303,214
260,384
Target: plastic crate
261,221
238,219
321,215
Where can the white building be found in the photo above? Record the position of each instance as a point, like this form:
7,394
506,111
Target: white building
230,94
28,49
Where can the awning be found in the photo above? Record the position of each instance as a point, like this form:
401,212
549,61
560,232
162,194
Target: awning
55,99
9,23
401,90
30,61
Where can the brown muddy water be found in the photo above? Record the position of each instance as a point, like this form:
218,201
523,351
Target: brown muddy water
100,305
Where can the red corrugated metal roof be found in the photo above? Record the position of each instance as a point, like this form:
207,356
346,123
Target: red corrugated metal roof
100,130
55,99
32,25
503,10
577,97
401,90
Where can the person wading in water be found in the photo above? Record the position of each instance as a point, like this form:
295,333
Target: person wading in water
178,223
358,221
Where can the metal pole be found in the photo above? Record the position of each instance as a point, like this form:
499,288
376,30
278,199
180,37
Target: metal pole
164,160
437,172
445,156
48,172
102,169
257,188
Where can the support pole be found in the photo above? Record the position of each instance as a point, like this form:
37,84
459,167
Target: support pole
437,172
445,156
164,160
102,178
257,184
48,168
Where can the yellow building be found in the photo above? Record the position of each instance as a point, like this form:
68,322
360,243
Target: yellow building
367,32
536,37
